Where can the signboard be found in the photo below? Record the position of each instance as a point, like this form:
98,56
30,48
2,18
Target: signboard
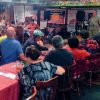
57,16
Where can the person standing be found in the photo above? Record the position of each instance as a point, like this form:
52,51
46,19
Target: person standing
94,24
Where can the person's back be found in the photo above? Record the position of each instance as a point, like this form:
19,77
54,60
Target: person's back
77,53
60,57
36,70
40,71
9,50
28,42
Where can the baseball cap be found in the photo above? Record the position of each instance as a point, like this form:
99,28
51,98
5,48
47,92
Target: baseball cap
37,33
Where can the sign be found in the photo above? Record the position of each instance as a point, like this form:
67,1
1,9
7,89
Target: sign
57,16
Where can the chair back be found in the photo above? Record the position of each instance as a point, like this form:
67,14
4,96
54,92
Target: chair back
47,89
32,97
79,68
65,84
94,61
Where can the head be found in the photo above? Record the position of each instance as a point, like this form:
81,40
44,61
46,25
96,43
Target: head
94,13
32,53
84,34
37,34
57,41
73,42
11,32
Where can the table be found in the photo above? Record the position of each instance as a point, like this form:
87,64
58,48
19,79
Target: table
9,88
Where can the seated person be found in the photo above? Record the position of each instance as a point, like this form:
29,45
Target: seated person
97,38
77,53
82,37
37,34
11,49
36,70
59,56
92,46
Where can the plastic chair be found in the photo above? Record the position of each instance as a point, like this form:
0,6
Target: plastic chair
32,97
47,89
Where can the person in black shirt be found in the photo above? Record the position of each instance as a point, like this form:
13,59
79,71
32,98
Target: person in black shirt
59,56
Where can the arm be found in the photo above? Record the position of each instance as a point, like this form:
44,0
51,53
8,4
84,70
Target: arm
48,57
22,57
41,48
60,70
20,52
57,70
70,59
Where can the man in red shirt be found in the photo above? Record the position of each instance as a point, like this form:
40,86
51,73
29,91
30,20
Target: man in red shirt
77,53
32,26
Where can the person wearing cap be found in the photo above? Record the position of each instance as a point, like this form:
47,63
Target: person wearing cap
59,56
37,34
10,48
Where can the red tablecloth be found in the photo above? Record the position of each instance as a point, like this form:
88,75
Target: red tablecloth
9,88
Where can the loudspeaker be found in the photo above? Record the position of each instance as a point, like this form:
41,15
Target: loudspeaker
80,15
47,15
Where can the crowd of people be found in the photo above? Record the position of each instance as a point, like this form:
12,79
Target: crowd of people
45,53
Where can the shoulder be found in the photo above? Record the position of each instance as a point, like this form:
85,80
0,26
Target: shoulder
48,63
84,52
16,42
66,51
51,52
27,67
4,41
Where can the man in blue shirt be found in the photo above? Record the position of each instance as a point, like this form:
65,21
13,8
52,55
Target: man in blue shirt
10,48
